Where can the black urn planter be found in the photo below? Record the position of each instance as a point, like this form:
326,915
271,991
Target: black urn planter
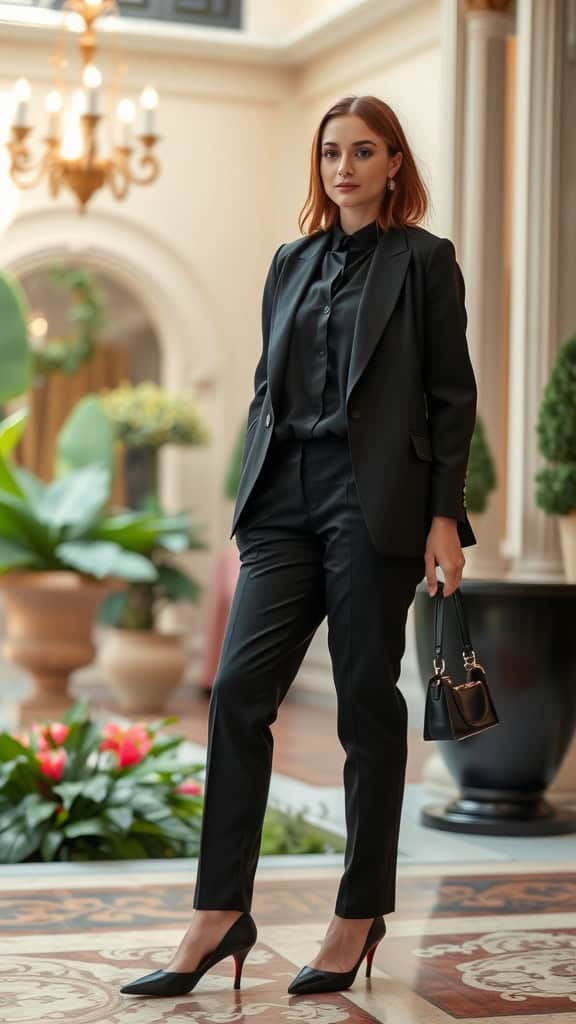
524,634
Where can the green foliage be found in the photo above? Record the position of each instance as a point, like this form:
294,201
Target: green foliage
15,352
556,489
232,479
481,472
76,790
21,361
158,536
556,430
63,525
145,415
285,833
55,526
86,437
87,316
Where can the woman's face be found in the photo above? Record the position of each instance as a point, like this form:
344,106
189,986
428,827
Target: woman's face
352,152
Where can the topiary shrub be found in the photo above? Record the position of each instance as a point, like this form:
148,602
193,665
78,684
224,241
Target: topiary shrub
481,473
556,430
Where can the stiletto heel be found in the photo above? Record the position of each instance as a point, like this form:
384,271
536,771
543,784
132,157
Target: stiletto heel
237,942
369,959
239,959
311,979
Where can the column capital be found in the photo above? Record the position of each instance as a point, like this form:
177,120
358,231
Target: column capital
488,6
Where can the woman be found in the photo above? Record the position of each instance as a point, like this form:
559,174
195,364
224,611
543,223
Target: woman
352,488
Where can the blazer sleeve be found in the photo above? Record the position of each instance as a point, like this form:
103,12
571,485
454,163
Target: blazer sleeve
449,381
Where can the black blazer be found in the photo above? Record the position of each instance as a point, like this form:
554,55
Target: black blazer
411,394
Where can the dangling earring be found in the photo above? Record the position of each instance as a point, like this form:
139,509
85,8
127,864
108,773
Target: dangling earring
390,185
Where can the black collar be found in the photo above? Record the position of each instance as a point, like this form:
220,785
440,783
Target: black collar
358,241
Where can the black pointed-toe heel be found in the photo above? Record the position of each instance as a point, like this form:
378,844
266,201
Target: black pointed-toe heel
310,979
237,942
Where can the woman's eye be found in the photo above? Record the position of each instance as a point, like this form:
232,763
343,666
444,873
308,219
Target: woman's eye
329,153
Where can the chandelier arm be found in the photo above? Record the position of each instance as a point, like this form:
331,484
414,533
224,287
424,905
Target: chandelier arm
149,165
118,178
24,171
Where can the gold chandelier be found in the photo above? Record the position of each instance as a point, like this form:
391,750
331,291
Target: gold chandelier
71,158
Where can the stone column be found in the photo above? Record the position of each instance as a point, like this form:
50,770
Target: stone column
487,24
531,541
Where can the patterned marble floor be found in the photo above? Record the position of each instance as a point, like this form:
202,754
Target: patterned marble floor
479,945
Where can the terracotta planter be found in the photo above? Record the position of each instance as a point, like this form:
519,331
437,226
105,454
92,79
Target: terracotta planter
142,668
49,621
568,544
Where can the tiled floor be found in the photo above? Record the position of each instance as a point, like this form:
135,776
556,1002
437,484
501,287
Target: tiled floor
484,932
473,945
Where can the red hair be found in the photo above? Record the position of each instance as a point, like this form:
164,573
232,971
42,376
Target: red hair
406,205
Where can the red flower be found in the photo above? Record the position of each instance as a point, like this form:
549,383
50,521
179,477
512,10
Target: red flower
189,787
52,763
130,745
56,731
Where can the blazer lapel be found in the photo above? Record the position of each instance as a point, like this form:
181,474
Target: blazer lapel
298,271
379,296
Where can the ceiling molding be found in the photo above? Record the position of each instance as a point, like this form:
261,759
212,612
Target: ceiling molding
311,40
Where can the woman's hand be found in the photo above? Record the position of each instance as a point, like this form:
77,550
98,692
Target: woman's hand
443,548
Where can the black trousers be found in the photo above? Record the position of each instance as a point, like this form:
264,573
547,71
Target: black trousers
306,554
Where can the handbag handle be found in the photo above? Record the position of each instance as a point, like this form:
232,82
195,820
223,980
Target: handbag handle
468,653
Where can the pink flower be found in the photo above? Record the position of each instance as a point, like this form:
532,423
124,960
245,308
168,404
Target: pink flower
52,763
22,738
56,731
59,732
189,787
130,745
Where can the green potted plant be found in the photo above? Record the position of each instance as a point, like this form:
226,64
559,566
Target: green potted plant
61,553
77,790
142,663
144,418
556,429
481,472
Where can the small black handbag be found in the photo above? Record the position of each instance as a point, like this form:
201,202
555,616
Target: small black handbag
455,711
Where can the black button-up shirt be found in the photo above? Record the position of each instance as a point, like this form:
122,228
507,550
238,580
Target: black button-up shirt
316,375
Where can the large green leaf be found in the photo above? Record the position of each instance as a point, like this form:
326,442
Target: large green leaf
31,487
86,438
16,844
103,559
14,555
11,430
17,522
51,843
15,351
76,499
11,748
176,585
88,827
8,479
142,531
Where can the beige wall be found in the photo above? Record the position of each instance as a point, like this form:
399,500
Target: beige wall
195,246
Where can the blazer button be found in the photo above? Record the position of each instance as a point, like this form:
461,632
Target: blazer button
355,414
268,419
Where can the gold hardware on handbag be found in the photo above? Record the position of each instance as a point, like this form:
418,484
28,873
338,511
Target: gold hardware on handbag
455,711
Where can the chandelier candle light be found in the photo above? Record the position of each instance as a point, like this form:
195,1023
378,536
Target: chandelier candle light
71,157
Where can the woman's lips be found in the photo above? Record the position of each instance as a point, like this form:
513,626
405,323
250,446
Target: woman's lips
346,188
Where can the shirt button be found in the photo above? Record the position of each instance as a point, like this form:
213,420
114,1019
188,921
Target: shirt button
326,309
268,419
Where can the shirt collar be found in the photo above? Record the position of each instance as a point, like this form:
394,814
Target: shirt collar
364,238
